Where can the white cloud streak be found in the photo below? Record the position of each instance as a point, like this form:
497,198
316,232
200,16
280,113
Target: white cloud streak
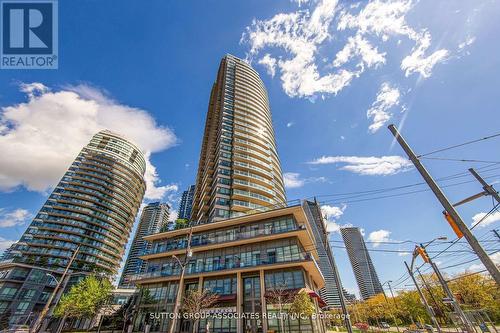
293,180
387,98
379,236
5,244
332,214
302,40
45,134
484,222
13,218
386,19
372,166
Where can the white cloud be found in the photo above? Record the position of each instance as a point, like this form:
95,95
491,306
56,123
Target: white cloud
477,267
469,41
12,218
301,42
359,47
387,98
379,236
403,254
44,134
417,62
5,244
292,180
492,218
300,34
386,19
384,165
290,124
270,64
332,214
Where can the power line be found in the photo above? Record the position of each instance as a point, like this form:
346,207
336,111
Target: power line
467,275
468,261
458,160
459,145
388,189
343,200
392,251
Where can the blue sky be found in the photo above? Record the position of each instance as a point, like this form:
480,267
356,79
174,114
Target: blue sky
337,74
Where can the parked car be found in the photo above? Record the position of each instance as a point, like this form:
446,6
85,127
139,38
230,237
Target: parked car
383,324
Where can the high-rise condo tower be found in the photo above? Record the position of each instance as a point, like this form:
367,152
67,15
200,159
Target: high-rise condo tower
239,170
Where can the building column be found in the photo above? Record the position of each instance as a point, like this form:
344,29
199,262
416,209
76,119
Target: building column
200,284
263,300
239,302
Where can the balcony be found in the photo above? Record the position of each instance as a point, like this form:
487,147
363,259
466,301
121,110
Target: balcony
233,236
221,267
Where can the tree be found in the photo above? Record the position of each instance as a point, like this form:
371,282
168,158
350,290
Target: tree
280,295
85,299
181,224
477,292
411,306
302,305
196,301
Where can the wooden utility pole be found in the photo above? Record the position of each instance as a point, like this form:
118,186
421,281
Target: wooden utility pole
462,227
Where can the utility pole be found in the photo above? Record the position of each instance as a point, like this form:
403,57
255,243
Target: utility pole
188,255
429,310
465,321
495,231
489,189
394,300
429,290
38,323
473,242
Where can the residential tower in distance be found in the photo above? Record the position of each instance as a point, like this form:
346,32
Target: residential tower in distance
366,277
186,204
153,218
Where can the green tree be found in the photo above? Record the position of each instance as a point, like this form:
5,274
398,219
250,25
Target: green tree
411,307
85,299
477,292
302,305
181,224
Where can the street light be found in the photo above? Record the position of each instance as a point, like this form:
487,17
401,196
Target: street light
39,321
393,299
441,238
188,255
421,249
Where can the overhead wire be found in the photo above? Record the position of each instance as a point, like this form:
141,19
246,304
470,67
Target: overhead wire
459,145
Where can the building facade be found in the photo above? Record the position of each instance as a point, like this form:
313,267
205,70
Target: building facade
364,271
330,293
92,208
153,218
242,260
239,170
186,204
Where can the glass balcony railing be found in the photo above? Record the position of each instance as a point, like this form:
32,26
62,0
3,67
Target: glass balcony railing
173,269
232,237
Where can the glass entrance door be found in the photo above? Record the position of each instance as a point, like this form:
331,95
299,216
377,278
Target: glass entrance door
252,304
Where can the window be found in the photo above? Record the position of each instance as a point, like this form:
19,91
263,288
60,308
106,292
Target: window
22,307
8,291
291,278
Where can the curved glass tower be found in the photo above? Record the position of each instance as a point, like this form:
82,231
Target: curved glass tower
239,170
93,206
